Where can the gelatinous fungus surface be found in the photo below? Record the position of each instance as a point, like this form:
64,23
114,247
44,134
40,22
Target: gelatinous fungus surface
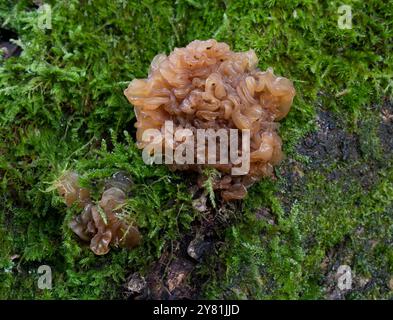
100,224
207,86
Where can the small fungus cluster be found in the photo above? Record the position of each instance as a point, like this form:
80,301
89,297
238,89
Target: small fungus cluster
101,223
206,85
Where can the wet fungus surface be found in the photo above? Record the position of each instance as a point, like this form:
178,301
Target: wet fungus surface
207,86
100,224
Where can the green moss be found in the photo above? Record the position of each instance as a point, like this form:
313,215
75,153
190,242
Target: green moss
370,144
284,260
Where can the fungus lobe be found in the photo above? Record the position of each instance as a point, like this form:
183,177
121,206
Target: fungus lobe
207,86
100,224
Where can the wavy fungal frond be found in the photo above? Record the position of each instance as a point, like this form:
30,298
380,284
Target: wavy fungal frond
206,85
100,224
